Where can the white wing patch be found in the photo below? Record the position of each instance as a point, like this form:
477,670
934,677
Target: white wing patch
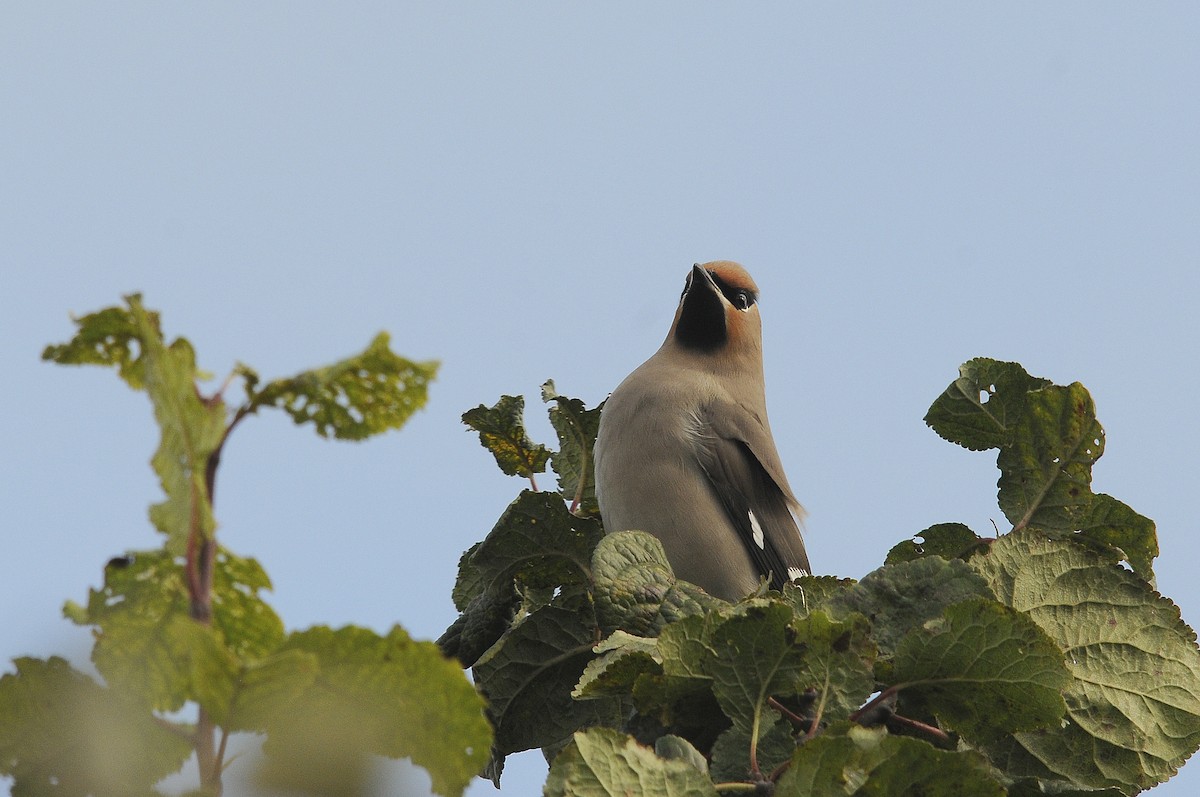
795,573
759,540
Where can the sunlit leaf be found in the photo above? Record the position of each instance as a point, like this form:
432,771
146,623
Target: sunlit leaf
867,762
984,669
1133,703
601,762
361,396
501,429
64,735
900,596
387,695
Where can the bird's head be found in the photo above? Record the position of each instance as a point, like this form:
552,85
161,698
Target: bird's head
718,313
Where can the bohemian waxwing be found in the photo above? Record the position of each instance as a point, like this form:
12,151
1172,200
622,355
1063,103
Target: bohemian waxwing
685,453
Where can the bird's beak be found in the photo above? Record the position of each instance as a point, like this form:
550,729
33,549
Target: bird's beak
702,279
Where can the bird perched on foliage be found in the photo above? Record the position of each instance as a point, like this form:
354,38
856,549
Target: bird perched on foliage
685,452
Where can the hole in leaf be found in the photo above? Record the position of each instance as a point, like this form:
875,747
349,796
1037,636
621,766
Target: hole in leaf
984,396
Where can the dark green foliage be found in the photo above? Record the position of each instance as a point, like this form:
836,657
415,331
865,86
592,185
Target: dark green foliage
947,540
1031,663
576,427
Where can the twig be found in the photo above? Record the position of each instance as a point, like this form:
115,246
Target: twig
918,726
200,568
221,756
789,715
225,385
777,773
755,772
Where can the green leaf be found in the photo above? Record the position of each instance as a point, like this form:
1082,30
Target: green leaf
808,593
635,589
353,399
63,734
1133,704
535,545
681,699
1111,522
601,762
947,540
1046,472
192,428
836,663
900,596
481,624
756,657
247,625
980,409
685,646
265,688
529,677
676,748
852,760
620,659
983,669
577,428
472,581
502,431
731,752
1036,787
108,337
387,695
167,663
148,645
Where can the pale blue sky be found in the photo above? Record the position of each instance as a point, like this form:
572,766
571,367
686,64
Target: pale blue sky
519,191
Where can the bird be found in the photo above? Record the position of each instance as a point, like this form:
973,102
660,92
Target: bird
684,450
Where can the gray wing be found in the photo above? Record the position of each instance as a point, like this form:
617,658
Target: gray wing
744,471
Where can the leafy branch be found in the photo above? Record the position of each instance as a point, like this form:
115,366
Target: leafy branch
934,672
186,626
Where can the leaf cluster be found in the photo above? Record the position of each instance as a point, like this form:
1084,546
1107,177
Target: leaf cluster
501,429
1042,661
189,653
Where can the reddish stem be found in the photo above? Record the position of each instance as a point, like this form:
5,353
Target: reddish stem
919,727
199,568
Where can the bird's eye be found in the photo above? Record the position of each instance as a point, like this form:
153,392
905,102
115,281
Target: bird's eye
742,300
